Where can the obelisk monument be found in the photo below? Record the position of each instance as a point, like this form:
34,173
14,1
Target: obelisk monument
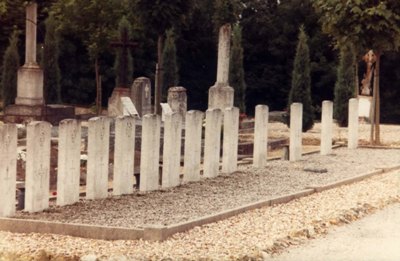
221,94
30,75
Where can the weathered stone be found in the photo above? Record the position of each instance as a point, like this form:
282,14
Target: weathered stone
296,123
115,107
98,158
8,169
124,152
261,136
172,150
165,109
352,139
212,143
231,140
141,95
150,153
128,108
69,154
192,157
177,100
37,166
326,127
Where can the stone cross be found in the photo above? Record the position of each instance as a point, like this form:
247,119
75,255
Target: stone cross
30,38
224,44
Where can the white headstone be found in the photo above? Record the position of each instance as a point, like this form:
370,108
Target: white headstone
124,153
150,153
177,100
172,150
8,169
128,108
212,143
192,157
69,155
352,139
231,140
98,158
296,125
141,95
261,136
326,127
37,180
165,109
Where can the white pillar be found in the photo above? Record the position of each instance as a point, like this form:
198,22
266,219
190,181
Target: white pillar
260,136
192,156
352,139
8,169
124,155
69,165
172,150
224,47
326,127
37,180
231,140
98,157
150,153
212,143
296,125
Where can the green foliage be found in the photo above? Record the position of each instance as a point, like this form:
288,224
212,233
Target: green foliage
226,12
170,66
124,62
236,70
301,81
366,24
51,69
344,88
10,69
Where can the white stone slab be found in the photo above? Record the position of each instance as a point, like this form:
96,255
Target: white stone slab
128,108
212,144
192,157
98,158
165,109
231,140
260,136
69,155
37,179
296,124
124,155
326,127
8,169
172,150
150,153
364,106
352,139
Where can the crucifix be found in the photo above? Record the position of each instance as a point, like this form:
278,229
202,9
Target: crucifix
123,47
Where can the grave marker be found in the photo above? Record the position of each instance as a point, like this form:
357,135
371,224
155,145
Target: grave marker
231,140
261,136
212,143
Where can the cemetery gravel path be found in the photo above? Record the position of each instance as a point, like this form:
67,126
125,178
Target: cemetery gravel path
256,234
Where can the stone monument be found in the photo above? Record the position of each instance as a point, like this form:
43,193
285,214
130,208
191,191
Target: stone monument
141,95
29,103
220,96
177,100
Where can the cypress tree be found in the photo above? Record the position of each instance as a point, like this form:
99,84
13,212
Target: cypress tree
124,62
344,87
301,81
236,71
10,70
171,74
49,61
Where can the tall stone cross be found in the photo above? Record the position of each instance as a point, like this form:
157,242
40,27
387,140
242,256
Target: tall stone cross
221,94
124,45
30,75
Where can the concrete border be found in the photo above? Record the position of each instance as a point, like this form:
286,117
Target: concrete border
160,232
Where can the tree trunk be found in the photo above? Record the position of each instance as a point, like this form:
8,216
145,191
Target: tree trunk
159,75
377,98
98,87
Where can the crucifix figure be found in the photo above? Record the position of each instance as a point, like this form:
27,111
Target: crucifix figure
124,58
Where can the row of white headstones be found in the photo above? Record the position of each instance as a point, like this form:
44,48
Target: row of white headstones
69,152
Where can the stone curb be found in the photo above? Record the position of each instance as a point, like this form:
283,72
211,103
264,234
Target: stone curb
159,232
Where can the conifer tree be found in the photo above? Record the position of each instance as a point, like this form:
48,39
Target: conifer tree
344,87
301,81
124,62
170,66
49,61
236,70
10,70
